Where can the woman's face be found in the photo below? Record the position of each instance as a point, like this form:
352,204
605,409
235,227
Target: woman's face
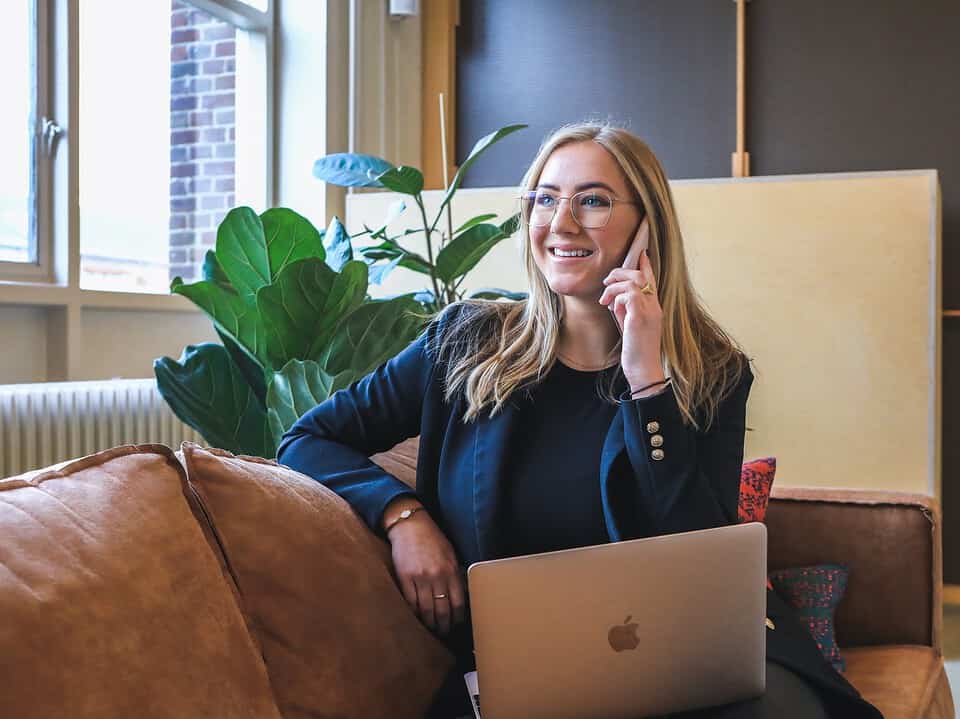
571,169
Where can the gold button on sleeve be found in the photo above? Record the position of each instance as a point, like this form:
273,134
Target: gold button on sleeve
657,454
656,440
653,427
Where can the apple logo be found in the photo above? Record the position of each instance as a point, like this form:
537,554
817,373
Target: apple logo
624,636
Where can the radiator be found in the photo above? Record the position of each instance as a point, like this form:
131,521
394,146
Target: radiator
46,423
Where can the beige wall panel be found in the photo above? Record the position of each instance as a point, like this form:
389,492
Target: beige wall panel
123,344
830,282
23,357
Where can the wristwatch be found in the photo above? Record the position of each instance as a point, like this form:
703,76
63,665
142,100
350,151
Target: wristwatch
405,514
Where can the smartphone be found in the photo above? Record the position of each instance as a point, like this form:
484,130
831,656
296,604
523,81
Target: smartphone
641,241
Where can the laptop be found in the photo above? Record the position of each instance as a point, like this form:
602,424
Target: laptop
622,630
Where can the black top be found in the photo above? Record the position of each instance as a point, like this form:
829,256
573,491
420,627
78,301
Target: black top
552,492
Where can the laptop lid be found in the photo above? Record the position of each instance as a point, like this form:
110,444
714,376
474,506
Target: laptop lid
622,630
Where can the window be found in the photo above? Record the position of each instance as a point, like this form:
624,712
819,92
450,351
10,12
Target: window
169,93
18,171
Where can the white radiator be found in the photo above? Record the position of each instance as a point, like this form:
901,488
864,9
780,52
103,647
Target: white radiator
45,423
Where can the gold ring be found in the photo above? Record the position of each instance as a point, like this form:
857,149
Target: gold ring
647,289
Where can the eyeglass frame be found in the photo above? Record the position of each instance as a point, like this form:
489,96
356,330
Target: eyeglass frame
531,194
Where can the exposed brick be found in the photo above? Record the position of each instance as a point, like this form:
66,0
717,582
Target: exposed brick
201,118
226,117
229,65
225,184
200,51
232,134
201,152
178,257
213,67
183,102
178,188
202,220
179,119
225,49
183,137
220,31
225,151
201,184
178,53
226,82
208,238
178,18
181,239
178,153
182,69
178,36
214,134
178,222
183,204
183,169
230,200
224,99
187,273
212,202
217,168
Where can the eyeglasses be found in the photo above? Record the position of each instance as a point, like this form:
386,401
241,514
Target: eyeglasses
590,208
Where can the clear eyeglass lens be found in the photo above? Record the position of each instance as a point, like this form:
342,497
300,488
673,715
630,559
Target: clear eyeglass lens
590,208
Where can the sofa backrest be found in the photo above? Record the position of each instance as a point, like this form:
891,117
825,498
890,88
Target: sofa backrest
891,543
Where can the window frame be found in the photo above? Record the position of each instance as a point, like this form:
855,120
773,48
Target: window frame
54,278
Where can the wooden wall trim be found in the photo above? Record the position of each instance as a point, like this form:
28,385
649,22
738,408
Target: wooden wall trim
440,21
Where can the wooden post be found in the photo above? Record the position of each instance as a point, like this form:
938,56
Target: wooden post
439,23
741,158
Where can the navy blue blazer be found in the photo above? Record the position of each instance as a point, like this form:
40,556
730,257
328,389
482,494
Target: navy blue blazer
460,470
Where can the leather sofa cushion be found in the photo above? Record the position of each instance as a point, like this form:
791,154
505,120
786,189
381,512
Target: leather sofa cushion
338,638
112,603
901,680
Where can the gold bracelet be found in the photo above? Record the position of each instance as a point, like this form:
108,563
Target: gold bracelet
405,514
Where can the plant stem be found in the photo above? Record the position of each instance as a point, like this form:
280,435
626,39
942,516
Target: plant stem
428,230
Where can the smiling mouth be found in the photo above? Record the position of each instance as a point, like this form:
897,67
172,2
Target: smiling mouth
578,255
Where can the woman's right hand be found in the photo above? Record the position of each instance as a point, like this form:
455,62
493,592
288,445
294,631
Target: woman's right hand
426,565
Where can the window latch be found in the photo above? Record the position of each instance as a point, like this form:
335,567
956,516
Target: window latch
50,132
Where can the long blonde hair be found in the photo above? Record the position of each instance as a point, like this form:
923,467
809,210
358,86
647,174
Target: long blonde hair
495,347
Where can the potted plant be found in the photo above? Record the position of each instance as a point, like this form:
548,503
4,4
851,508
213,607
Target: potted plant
291,307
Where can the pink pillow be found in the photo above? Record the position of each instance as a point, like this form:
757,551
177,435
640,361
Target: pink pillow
756,481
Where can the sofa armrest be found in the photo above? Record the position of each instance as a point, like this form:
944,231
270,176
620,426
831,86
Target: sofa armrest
892,543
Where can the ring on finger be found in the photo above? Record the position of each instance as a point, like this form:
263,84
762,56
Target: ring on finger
439,596
647,289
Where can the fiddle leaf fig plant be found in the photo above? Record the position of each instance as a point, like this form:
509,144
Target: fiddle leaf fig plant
291,307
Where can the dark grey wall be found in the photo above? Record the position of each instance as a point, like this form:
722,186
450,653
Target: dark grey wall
832,86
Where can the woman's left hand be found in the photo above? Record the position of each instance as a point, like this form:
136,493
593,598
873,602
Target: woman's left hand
640,319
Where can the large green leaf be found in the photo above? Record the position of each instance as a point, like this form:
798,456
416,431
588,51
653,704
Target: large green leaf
350,169
378,273
297,388
289,237
369,336
206,391
460,256
339,249
242,252
301,309
249,366
473,221
478,149
230,313
403,179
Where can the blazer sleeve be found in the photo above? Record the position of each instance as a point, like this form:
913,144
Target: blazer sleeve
695,483
333,441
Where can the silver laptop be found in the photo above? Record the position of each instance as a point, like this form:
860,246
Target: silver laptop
622,630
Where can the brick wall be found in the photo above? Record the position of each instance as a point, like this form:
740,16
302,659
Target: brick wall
202,134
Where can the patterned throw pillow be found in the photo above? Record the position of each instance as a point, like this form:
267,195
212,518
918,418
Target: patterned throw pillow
815,592
756,480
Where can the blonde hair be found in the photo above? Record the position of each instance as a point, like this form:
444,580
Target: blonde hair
493,347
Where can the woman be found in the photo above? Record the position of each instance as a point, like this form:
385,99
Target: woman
605,372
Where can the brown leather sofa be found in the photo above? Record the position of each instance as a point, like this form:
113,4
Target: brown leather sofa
137,582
